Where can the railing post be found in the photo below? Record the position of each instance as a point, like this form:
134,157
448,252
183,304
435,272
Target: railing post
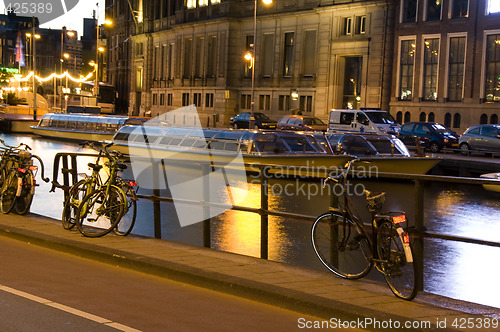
156,201
206,209
419,228
264,218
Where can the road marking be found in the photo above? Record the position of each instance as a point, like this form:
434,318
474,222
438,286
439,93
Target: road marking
70,310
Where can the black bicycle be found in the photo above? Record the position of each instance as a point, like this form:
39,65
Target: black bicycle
343,245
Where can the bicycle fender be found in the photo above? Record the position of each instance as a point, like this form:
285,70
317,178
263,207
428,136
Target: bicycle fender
19,186
406,245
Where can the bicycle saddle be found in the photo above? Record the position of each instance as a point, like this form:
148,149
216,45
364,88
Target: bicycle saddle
95,167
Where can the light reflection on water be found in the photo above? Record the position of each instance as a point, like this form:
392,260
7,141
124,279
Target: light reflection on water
459,270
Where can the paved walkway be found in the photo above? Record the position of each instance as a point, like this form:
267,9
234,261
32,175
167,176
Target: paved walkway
299,289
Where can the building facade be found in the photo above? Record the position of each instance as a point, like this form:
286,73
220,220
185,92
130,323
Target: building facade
447,62
334,54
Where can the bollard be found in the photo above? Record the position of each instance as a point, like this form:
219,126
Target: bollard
206,209
420,229
156,203
264,218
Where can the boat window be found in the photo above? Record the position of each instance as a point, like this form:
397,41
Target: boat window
298,144
100,126
188,142
217,145
122,136
52,123
62,124
232,146
357,145
383,145
44,123
269,144
71,125
90,126
166,140
175,141
81,125
112,127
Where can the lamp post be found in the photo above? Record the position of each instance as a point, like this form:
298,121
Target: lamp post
250,56
97,50
33,37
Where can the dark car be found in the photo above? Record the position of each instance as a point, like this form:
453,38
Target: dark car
262,121
434,136
301,122
481,138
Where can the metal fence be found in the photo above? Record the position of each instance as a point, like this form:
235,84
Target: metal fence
418,232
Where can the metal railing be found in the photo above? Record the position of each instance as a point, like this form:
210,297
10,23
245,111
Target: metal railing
418,232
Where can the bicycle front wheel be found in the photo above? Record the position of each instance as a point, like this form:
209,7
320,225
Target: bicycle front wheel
400,273
70,208
9,190
341,245
99,213
23,201
127,221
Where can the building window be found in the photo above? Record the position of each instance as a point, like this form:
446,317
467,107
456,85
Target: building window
492,84
360,25
494,119
202,3
197,99
209,100
305,103
214,2
346,26
433,10
246,102
212,56
431,55
191,4
185,99
309,54
284,103
407,117
422,117
155,99
288,54
460,8
431,117
188,49
264,102
399,117
409,9
447,120
138,79
456,63
248,48
169,99
493,6
456,120
268,60
352,82
406,61
483,119
162,99
198,71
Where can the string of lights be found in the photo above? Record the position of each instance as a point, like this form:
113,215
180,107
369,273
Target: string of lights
20,78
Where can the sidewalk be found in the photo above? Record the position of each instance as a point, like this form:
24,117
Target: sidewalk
310,292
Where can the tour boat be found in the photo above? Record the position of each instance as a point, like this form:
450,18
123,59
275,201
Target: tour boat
300,153
491,176
81,127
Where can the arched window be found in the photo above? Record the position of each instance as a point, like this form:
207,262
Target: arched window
456,120
422,117
399,117
483,119
407,117
431,117
494,119
447,120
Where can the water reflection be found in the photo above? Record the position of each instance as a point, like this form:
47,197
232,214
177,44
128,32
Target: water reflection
458,270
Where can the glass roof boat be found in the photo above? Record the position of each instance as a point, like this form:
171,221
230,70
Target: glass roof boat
297,153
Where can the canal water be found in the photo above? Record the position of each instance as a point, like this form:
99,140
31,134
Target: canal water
458,270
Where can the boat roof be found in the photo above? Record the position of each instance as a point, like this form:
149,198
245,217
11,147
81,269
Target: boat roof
108,119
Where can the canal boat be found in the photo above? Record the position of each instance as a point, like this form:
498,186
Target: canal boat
81,127
297,153
491,176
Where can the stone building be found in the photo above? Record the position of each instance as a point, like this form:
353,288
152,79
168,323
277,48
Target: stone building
334,54
447,62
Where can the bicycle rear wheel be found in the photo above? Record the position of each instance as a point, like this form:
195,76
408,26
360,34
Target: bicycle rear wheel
9,190
98,213
23,201
400,273
127,221
70,208
341,245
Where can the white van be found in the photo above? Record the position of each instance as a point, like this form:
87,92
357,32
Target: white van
365,120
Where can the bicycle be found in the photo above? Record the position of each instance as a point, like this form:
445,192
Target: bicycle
343,246
96,207
18,178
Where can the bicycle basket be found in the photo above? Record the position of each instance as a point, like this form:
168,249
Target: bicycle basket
374,201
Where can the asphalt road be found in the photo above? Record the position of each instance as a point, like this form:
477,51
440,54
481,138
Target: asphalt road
46,290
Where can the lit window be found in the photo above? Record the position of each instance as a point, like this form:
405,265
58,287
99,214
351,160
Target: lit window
202,3
191,3
493,6
406,62
213,2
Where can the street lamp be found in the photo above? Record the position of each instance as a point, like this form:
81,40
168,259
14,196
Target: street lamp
97,50
33,37
250,56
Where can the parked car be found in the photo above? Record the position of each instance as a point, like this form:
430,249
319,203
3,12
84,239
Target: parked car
262,121
301,122
480,138
434,136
